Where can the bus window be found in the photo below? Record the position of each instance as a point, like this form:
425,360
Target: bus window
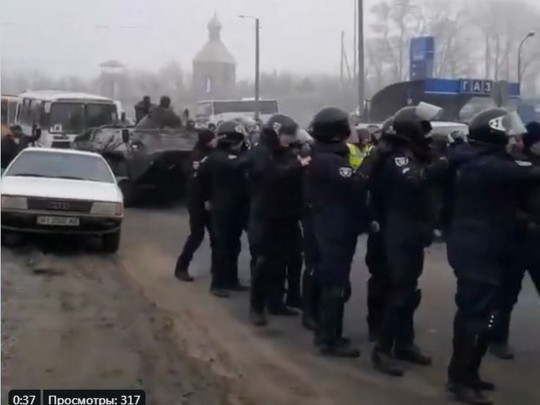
100,114
203,110
4,117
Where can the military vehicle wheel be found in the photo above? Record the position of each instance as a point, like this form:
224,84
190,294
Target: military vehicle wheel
129,192
111,242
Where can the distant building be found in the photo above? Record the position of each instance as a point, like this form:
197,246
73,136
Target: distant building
214,68
111,78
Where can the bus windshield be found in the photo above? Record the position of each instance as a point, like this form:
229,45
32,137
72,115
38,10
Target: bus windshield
75,117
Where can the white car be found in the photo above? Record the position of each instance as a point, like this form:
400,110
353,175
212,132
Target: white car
61,191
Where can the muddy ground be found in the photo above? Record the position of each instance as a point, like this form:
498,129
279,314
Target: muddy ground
73,318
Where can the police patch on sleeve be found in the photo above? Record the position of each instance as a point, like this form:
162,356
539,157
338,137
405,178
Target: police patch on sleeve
523,163
345,172
196,165
401,161
231,157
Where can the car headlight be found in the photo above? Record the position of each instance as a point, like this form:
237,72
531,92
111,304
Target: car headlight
14,203
108,209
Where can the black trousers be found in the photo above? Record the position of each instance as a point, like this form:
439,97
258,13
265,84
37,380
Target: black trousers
272,243
378,283
476,324
199,220
294,265
310,287
405,265
227,226
332,272
528,259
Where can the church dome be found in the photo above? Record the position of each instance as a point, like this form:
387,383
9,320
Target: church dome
214,51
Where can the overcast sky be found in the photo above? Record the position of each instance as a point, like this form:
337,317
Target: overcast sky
73,36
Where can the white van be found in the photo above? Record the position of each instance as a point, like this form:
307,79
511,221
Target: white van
62,116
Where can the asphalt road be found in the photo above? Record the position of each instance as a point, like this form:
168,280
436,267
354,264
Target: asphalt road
174,339
517,380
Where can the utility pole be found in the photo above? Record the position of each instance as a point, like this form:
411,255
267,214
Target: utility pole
341,68
257,65
361,68
355,46
257,70
530,34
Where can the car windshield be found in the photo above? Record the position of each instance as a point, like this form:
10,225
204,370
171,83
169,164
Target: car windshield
60,165
75,117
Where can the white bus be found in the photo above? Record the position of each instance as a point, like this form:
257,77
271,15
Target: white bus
215,111
62,116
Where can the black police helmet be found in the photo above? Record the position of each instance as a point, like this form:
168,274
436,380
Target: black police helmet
281,124
413,123
495,126
331,125
387,127
231,132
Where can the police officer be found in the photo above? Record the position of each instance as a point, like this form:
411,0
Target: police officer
531,254
339,213
301,147
310,287
275,174
407,228
378,283
225,192
523,151
481,241
311,290
199,216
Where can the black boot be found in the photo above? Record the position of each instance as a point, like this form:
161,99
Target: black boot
499,346
309,322
468,395
477,380
328,338
384,362
257,318
342,341
219,292
294,302
237,287
501,350
340,351
280,309
183,275
181,271
412,354
463,377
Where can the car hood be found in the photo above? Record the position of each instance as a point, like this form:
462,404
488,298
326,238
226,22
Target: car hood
60,188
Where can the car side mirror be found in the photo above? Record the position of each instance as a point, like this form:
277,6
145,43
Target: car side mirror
125,135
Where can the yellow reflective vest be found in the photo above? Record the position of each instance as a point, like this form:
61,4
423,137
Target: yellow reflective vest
356,156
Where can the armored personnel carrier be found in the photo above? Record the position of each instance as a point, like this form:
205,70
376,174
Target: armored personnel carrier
144,160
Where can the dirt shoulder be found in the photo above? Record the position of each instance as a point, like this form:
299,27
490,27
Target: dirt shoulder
78,321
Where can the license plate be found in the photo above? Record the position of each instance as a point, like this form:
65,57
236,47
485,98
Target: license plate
58,221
